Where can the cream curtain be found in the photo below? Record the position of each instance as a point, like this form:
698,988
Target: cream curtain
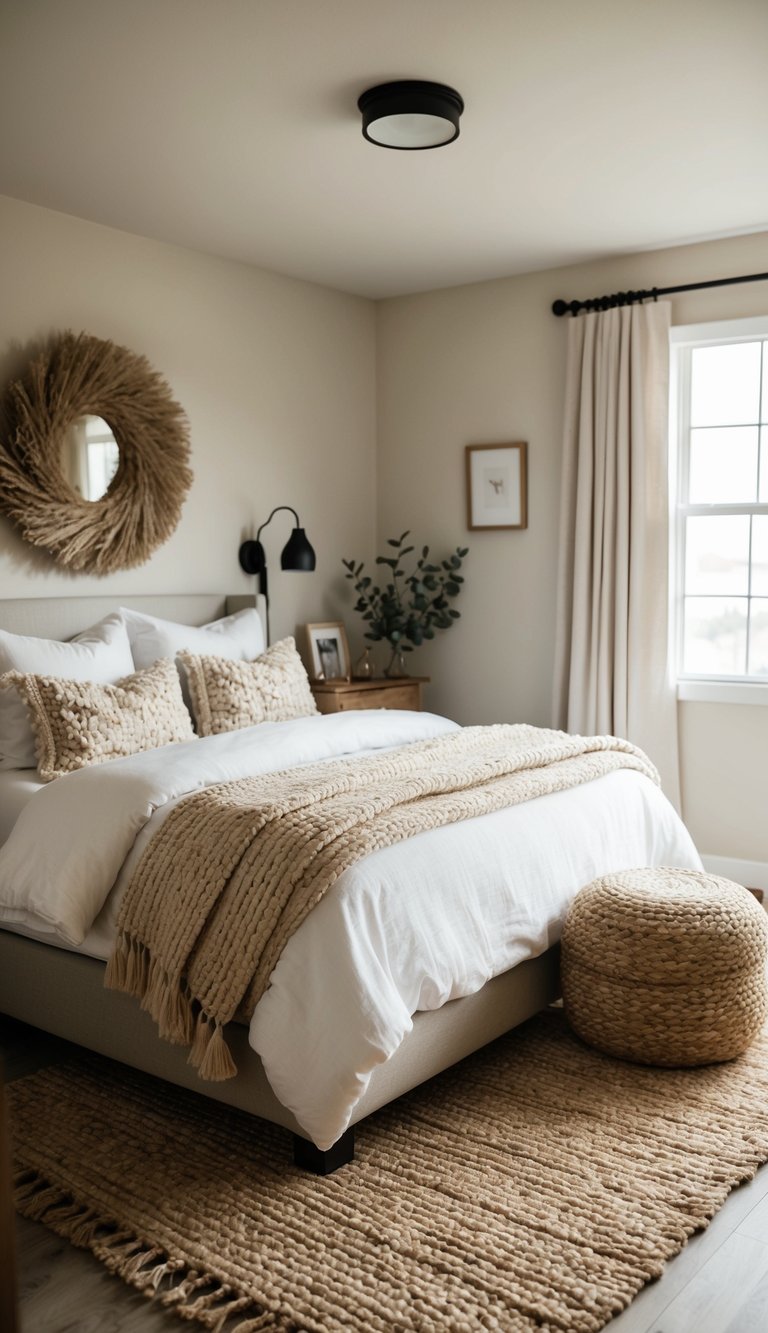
612,671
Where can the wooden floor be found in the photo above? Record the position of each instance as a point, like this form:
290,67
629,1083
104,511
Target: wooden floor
718,1284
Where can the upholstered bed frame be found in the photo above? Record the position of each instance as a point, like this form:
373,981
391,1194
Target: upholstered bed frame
62,992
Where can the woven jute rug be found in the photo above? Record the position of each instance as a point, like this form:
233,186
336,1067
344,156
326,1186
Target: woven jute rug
538,1185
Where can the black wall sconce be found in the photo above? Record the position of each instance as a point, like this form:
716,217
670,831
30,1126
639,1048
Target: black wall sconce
296,554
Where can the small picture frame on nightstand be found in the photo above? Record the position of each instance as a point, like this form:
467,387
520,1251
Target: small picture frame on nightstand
328,651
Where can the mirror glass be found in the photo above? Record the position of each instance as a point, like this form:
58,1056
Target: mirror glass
89,456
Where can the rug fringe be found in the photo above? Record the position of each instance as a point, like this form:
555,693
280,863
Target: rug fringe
85,1229
37,1199
233,1306
202,1297
178,1294
266,1320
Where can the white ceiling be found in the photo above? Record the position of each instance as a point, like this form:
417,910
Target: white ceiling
592,127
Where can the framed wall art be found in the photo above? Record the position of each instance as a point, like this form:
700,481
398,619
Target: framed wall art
497,486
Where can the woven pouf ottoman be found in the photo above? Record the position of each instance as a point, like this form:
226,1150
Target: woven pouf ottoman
665,967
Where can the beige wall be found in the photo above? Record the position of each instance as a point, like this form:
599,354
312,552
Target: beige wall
278,380
485,363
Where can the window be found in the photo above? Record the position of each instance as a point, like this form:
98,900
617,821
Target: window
103,457
720,392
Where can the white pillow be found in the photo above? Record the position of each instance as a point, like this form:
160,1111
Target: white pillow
239,637
101,654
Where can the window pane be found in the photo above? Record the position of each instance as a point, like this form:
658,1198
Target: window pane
723,465
763,496
715,636
760,555
725,384
758,637
717,554
764,412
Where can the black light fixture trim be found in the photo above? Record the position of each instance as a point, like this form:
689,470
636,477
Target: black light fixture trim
410,97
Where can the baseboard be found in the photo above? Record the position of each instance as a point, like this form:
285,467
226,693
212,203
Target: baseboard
752,873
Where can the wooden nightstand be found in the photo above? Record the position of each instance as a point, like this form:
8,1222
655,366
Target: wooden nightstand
338,696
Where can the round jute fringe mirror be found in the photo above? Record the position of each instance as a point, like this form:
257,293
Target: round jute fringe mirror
94,459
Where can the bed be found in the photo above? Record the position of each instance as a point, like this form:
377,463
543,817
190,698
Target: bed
306,1061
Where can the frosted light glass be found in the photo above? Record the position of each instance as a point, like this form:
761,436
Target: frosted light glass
758,637
717,554
715,636
725,385
723,465
411,130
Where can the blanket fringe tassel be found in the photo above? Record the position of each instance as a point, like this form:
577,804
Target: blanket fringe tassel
178,1016
203,1297
210,1054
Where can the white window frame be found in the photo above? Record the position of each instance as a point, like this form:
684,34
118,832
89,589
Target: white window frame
691,686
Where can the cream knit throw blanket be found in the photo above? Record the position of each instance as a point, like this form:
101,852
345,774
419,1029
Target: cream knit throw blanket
236,867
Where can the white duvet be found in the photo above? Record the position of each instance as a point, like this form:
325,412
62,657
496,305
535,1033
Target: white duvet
407,928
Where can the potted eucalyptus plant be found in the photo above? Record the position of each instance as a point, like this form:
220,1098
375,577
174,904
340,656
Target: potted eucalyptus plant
411,606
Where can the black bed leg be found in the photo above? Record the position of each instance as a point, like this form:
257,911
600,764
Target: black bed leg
310,1158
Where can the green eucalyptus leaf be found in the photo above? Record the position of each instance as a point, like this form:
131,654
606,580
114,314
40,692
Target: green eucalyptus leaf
409,609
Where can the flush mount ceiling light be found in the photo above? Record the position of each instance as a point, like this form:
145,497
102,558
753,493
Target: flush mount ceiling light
411,114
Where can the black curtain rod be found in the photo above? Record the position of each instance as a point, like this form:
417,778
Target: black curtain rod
631,298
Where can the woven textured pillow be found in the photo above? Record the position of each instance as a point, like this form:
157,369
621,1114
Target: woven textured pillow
228,695
77,723
101,653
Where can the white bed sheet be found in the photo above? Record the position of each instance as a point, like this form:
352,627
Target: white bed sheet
409,927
